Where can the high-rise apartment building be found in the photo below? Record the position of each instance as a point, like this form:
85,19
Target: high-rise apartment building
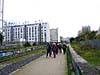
86,28
36,32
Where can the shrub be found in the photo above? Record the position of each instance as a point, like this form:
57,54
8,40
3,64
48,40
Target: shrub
27,44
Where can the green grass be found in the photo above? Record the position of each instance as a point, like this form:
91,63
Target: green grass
17,48
90,54
18,57
69,62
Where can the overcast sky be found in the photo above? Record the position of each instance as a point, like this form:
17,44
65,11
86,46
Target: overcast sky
66,15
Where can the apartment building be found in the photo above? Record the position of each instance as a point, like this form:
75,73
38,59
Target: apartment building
35,32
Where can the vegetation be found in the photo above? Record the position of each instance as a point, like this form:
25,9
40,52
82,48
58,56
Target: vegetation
20,48
86,35
90,54
27,44
18,57
69,63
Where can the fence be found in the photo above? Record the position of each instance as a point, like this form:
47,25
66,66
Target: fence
14,52
80,65
93,43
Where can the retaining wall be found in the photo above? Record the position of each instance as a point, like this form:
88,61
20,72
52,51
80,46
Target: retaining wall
81,66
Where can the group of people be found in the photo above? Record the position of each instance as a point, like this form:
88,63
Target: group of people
54,48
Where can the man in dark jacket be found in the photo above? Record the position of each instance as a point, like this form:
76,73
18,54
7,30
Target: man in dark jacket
64,48
48,48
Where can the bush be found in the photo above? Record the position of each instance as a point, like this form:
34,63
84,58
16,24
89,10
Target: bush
34,43
27,44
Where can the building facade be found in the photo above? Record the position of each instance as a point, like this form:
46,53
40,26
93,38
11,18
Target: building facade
33,33
54,35
86,28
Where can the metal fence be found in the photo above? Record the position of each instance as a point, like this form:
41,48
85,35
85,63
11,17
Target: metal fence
93,43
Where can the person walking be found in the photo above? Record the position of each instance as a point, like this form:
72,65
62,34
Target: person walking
49,50
60,47
54,49
64,48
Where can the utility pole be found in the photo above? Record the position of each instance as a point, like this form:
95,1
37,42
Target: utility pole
2,11
40,34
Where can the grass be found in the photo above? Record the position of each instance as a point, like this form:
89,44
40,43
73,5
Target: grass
18,57
88,53
17,48
69,62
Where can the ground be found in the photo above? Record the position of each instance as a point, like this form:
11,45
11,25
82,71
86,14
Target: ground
44,66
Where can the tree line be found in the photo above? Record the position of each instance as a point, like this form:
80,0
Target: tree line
86,35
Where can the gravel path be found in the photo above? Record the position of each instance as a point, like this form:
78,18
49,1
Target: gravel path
44,66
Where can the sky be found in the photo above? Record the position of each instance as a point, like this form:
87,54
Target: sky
67,15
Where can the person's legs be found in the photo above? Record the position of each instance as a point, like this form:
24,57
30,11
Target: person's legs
64,51
50,53
54,53
47,54
60,50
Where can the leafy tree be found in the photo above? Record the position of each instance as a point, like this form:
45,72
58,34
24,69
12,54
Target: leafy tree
72,39
97,36
92,35
87,35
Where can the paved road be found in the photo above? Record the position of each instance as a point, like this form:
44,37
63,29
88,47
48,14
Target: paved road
44,66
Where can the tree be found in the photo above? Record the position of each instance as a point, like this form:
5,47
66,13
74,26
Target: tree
92,35
97,36
87,35
72,39
1,38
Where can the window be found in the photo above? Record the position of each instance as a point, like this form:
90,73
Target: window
18,34
41,26
8,34
21,35
18,29
29,38
32,34
27,29
32,29
32,38
21,30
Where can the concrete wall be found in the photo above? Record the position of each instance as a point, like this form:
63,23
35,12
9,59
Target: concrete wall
81,64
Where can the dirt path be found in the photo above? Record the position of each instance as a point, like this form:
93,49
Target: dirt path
44,66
